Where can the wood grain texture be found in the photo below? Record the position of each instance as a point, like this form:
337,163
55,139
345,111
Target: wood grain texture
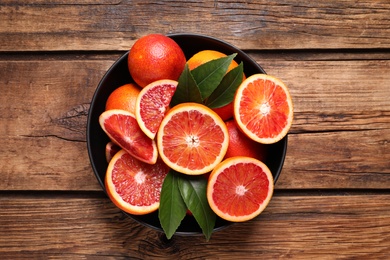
113,25
332,199
304,227
44,120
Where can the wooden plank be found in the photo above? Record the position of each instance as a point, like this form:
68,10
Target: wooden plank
340,132
262,24
328,95
43,124
304,227
336,95
347,159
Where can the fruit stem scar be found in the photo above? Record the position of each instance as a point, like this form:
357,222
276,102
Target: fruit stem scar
140,177
192,141
240,190
265,108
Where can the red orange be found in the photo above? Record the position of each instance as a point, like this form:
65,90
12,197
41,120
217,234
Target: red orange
263,108
241,145
192,139
239,188
152,104
134,186
123,129
204,56
155,57
123,98
199,58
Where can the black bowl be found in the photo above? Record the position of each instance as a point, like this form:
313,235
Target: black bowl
119,75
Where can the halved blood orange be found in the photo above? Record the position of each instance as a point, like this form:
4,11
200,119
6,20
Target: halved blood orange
239,188
152,104
263,108
134,186
192,139
122,128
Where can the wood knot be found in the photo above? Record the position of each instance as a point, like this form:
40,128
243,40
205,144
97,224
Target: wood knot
159,245
74,120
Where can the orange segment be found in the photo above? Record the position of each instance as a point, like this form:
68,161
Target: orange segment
192,139
263,108
239,188
122,128
152,104
134,186
111,150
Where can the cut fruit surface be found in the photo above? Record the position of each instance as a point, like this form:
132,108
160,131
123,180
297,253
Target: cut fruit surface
111,150
122,128
239,188
192,139
152,104
134,186
263,108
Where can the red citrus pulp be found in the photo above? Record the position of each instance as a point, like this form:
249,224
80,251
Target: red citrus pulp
122,128
134,186
239,188
111,150
263,108
152,104
192,139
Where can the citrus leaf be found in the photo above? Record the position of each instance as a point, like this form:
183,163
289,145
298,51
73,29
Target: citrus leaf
172,207
209,74
193,192
187,90
224,93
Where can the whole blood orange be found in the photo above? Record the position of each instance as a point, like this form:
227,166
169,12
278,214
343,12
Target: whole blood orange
204,56
192,139
134,186
263,108
154,57
122,128
152,104
199,58
123,98
241,145
239,188
225,112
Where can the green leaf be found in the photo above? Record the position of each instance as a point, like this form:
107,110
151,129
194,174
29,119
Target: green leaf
172,207
193,192
187,90
224,93
209,75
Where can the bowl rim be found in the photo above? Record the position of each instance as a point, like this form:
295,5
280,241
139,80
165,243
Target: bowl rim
174,36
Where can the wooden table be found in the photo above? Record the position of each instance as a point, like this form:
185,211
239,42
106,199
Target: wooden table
333,197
